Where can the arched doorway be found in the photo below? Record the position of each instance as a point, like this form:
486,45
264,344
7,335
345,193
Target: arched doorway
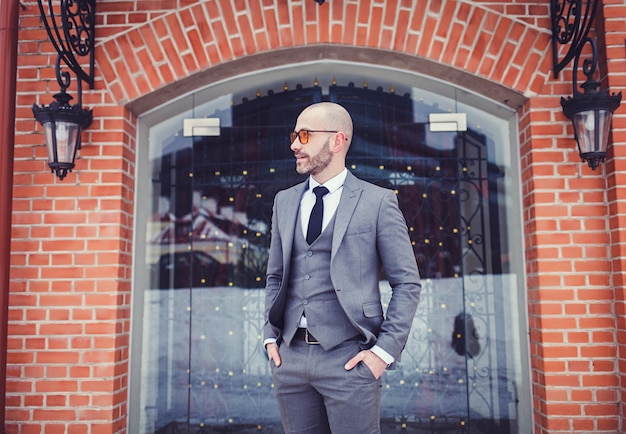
204,223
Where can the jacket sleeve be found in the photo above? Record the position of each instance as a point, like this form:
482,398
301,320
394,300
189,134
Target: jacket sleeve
274,277
400,267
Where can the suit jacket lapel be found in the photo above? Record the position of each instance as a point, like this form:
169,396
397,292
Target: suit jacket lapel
347,204
290,222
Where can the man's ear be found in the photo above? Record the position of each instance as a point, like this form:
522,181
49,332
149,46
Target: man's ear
340,141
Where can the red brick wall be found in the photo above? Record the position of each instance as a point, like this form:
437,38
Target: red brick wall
572,229
614,35
71,272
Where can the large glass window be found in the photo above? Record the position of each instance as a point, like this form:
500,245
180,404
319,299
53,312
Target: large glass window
203,217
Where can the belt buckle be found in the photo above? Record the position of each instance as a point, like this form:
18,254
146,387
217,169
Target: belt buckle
309,339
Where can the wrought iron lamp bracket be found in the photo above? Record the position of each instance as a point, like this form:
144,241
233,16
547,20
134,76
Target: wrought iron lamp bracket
71,29
571,23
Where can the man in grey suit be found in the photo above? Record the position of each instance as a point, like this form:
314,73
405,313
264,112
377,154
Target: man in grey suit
326,334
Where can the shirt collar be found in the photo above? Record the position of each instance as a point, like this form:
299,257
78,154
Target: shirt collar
332,184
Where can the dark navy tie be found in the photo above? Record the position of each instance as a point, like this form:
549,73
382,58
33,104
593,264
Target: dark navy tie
315,222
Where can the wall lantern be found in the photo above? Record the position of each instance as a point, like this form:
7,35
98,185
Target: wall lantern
71,29
591,111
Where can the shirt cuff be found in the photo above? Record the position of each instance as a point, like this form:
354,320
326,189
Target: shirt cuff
387,358
269,341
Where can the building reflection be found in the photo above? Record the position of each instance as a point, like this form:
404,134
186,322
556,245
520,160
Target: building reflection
203,367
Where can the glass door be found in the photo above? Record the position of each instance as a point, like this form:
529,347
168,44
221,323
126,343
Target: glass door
202,367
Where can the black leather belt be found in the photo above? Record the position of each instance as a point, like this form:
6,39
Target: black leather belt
306,336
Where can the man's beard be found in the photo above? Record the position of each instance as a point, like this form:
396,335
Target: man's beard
317,163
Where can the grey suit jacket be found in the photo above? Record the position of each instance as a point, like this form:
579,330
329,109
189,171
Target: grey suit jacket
370,231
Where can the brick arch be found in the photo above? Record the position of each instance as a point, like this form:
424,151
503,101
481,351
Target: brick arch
466,43
327,52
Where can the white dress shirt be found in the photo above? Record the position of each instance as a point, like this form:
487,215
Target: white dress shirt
331,200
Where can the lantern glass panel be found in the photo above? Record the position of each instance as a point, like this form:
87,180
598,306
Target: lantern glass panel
67,134
591,128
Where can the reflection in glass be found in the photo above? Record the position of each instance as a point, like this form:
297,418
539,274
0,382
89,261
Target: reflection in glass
203,369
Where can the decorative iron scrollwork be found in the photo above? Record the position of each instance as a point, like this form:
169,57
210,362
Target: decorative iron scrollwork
71,29
571,23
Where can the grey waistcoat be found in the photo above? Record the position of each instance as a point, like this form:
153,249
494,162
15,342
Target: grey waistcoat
310,292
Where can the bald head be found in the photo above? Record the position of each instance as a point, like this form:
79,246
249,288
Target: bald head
328,128
333,117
